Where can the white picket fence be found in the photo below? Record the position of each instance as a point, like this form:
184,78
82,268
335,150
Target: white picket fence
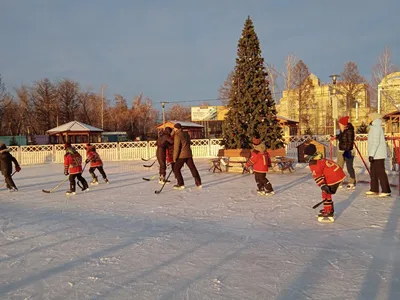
202,148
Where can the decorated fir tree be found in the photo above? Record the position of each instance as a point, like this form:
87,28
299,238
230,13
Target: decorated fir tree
252,111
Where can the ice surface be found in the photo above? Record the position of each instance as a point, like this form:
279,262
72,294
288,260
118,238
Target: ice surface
224,241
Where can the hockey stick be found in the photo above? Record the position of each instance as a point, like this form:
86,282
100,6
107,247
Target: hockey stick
359,153
318,204
147,159
165,181
149,166
11,176
151,178
56,187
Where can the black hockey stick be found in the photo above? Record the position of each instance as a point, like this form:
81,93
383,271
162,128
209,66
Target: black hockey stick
56,187
165,181
318,204
11,176
151,178
147,159
149,166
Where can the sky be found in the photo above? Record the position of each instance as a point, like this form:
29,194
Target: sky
183,50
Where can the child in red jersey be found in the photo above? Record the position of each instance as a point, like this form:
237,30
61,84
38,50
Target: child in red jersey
327,174
73,168
95,163
259,160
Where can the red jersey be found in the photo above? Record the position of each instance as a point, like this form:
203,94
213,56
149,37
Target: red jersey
169,155
326,171
259,160
94,158
73,163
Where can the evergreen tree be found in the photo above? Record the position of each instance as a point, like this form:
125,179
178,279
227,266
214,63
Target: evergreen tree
252,111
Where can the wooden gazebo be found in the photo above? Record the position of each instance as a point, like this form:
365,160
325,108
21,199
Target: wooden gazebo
195,130
75,132
392,122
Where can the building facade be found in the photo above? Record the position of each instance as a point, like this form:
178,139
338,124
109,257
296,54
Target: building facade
324,104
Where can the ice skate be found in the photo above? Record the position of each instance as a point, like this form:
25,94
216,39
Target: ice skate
13,189
326,215
384,195
178,187
162,180
350,186
106,180
69,193
370,193
94,182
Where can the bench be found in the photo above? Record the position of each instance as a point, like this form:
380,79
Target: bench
230,158
283,163
224,160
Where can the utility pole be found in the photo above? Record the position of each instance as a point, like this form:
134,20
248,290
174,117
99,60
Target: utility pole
102,87
163,113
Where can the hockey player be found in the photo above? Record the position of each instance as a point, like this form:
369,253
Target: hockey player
259,160
73,168
95,163
328,175
6,160
163,143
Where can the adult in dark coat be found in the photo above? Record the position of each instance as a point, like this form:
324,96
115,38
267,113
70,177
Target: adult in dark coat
183,155
164,142
346,153
6,160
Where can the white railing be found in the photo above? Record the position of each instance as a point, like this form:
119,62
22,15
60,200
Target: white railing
202,148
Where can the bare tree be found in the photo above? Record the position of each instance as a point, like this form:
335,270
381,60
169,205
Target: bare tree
45,106
67,94
380,70
5,102
88,111
290,64
351,84
302,91
178,112
144,116
24,106
272,78
225,89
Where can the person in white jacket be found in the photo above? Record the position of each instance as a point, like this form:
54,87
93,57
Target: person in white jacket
377,154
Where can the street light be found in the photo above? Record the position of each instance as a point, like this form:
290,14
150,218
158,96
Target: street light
332,91
103,86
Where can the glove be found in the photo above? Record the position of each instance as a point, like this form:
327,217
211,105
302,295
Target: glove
66,173
371,159
87,161
347,154
325,188
17,168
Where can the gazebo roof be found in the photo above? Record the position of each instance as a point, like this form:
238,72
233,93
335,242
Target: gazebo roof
74,126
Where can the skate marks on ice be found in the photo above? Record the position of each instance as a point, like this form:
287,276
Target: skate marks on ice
386,253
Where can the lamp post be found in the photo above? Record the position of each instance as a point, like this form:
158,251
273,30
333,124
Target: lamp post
358,102
163,113
103,86
332,92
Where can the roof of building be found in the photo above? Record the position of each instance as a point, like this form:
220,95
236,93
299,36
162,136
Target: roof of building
287,119
183,123
74,126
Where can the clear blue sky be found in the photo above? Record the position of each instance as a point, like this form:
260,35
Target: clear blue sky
176,50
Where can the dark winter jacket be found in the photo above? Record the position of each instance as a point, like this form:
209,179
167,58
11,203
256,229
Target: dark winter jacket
182,145
6,160
346,138
164,142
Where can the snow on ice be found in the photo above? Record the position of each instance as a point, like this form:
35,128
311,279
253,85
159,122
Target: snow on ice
224,241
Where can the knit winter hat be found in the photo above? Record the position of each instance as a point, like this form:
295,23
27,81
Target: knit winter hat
310,149
256,141
3,146
168,130
344,120
178,126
